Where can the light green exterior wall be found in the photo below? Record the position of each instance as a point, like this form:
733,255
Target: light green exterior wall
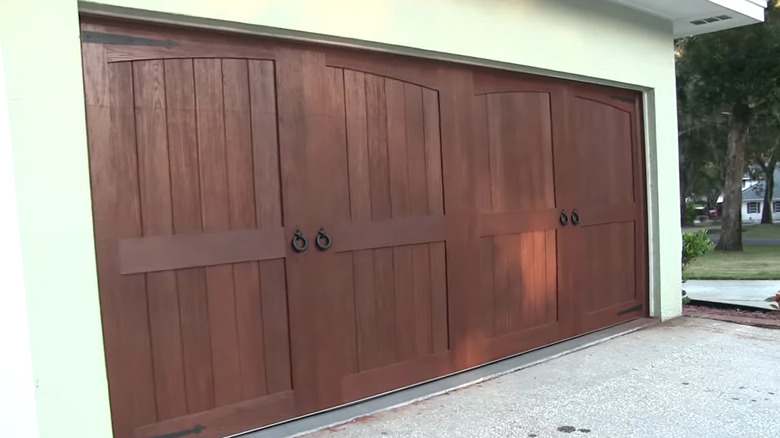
42,60
570,38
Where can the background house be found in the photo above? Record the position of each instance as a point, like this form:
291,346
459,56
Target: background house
753,200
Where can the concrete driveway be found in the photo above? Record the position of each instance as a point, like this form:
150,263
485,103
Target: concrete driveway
686,378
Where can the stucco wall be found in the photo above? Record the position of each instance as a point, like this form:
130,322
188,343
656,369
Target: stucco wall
591,39
17,387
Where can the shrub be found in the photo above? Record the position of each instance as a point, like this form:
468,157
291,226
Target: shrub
695,245
689,214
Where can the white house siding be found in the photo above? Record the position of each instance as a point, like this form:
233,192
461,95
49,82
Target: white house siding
589,40
756,217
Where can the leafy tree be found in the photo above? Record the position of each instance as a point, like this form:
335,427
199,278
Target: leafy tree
763,153
733,73
701,137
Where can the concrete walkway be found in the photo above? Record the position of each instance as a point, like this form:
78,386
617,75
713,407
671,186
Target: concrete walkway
749,293
689,377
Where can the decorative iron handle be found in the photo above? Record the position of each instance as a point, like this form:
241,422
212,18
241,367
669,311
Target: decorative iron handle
322,235
575,218
564,219
298,237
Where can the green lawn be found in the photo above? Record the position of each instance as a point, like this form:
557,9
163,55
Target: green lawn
761,231
754,263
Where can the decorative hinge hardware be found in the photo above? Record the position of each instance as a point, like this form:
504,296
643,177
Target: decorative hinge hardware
624,99
630,310
193,431
126,40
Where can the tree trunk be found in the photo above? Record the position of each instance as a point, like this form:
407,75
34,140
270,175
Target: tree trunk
731,229
769,179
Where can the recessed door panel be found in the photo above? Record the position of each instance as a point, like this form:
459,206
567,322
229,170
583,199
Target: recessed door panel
513,125
604,253
190,241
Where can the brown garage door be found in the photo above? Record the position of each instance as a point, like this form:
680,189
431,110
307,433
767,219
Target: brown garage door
284,228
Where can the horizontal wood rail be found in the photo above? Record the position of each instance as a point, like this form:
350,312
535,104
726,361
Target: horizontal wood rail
395,232
163,253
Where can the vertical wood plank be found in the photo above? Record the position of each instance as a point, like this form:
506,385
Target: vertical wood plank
418,206
551,307
215,213
405,312
334,172
488,289
421,281
360,207
381,208
291,80
273,286
482,153
185,194
541,288
275,326
400,206
385,310
435,197
241,199
439,302
505,282
156,217
376,113
357,145
265,143
415,145
526,292
113,165
366,308
396,148
433,159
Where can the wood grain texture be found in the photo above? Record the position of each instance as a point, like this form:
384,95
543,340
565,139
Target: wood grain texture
520,150
385,379
439,184
188,250
155,190
608,239
113,170
186,214
236,83
210,115
227,420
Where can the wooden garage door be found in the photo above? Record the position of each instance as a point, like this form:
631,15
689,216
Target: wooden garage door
603,258
190,239
429,194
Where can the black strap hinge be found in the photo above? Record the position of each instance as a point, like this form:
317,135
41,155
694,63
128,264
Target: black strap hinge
624,99
630,310
193,431
127,40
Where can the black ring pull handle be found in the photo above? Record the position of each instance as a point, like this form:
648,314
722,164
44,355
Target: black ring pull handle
323,241
575,218
564,219
299,242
